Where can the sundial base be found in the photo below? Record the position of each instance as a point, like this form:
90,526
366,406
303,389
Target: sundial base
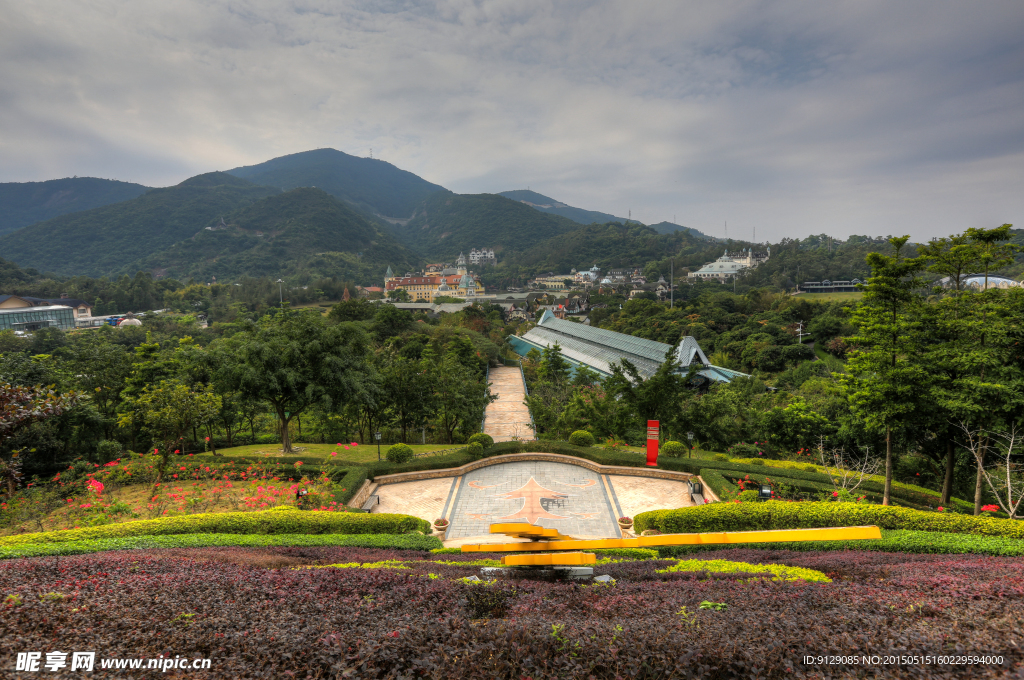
538,573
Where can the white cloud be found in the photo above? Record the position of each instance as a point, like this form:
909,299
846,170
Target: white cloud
855,117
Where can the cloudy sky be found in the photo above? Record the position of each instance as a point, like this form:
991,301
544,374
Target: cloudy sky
791,118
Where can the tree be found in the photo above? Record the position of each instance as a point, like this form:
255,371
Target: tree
654,398
20,406
458,398
406,391
389,322
293,362
171,408
1006,477
886,381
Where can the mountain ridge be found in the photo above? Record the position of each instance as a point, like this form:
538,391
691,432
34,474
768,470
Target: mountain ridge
25,203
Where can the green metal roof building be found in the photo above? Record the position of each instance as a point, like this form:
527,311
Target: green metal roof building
600,349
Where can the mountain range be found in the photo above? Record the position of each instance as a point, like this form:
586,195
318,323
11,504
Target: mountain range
310,214
25,203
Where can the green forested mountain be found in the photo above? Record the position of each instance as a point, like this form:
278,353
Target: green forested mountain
109,240
24,203
550,205
448,223
672,227
300,235
372,185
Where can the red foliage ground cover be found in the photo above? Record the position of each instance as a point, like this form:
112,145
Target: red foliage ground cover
256,616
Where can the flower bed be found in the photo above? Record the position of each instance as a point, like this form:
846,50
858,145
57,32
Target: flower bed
266,522
808,515
226,605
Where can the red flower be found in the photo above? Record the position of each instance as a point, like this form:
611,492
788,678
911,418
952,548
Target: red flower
990,508
940,509
835,494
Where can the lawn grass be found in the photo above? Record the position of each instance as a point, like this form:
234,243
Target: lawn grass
829,297
363,453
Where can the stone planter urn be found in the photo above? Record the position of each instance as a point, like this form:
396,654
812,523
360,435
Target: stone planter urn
625,523
441,525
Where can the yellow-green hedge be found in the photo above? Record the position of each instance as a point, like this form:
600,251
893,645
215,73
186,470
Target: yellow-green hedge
808,515
266,522
779,572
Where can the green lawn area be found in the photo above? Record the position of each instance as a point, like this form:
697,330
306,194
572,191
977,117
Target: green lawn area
828,297
360,454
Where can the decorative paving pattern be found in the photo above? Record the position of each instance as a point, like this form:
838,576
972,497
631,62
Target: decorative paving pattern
642,494
561,496
507,416
424,499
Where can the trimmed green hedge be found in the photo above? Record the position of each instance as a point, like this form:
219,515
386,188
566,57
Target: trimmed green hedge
266,522
893,540
808,515
816,487
394,541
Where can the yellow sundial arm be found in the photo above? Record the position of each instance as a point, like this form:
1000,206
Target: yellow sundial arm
716,538
524,530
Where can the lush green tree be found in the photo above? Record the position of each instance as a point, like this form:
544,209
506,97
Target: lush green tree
20,406
389,322
294,362
406,388
355,309
457,397
887,381
171,408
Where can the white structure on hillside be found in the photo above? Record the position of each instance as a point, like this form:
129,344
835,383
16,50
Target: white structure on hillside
484,256
729,266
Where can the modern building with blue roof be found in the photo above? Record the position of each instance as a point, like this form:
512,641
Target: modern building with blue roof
599,349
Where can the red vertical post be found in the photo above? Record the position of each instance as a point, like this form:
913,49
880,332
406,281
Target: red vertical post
652,442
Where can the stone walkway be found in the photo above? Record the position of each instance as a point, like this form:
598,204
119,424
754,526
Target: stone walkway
424,499
640,494
508,417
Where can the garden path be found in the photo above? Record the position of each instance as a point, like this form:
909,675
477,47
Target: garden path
507,416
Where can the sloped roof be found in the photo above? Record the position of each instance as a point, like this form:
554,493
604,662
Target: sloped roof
601,349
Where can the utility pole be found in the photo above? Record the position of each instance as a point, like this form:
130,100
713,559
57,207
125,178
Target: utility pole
280,288
672,281
800,332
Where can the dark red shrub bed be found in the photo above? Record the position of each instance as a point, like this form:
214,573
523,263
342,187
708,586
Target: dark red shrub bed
257,616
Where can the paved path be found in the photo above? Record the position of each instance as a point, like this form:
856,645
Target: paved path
424,499
508,416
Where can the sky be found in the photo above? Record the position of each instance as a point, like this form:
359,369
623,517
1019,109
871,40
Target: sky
781,119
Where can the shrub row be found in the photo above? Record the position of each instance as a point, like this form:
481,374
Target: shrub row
266,522
412,541
893,541
808,515
815,487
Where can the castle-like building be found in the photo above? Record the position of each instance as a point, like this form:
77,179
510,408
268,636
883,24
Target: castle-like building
731,264
442,281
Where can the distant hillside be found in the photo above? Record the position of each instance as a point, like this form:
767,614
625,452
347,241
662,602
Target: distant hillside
448,223
550,205
671,228
300,235
25,203
608,246
372,185
106,241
